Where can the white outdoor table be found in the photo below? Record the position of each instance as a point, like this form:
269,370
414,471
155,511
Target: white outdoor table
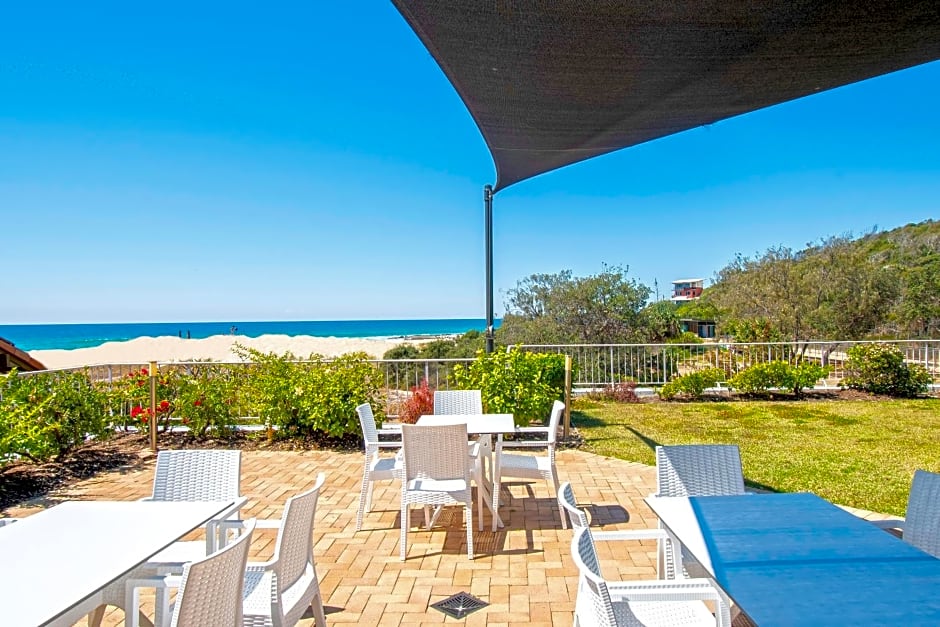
488,425
55,563
788,559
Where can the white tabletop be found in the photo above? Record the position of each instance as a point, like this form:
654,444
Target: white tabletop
54,560
476,423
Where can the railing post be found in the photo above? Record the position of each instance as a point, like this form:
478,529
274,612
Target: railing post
567,396
153,406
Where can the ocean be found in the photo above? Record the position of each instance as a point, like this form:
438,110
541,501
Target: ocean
30,337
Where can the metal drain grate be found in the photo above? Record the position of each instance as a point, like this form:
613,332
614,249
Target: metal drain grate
459,605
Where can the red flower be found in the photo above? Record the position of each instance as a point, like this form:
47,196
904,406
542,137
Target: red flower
136,411
144,372
197,403
164,405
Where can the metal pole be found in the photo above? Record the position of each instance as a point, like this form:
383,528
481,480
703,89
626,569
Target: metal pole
567,396
488,209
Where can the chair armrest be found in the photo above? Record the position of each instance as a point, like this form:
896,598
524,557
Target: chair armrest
532,430
393,430
240,524
892,523
668,590
631,534
383,444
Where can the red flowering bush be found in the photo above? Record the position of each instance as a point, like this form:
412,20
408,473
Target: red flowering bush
420,403
133,392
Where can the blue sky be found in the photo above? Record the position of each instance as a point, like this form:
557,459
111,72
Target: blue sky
309,161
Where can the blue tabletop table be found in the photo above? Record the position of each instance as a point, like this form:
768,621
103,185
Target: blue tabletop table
789,559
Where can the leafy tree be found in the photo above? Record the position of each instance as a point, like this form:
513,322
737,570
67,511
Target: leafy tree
561,308
661,321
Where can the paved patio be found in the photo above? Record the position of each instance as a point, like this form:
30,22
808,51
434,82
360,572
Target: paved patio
524,571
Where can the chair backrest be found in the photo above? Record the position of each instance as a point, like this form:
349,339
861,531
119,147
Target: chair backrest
197,475
458,402
566,499
596,598
922,522
367,422
435,452
294,547
558,410
211,588
699,470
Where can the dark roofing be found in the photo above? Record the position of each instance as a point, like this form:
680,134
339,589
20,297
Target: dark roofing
553,82
12,357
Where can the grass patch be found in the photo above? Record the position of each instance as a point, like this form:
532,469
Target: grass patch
857,453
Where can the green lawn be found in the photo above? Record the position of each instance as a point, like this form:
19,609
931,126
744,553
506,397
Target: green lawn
856,453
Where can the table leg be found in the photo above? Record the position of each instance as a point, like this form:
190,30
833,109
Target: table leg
497,521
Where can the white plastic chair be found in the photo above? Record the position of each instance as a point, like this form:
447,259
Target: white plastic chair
211,588
696,470
699,470
921,527
435,471
278,592
640,603
458,402
579,520
375,468
180,475
531,466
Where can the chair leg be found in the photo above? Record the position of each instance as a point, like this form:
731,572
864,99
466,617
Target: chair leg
96,616
404,531
468,519
364,495
319,616
561,510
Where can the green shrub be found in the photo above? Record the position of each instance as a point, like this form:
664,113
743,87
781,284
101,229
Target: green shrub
686,337
805,375
763,377
880,369
44,416
692,384
206,400
318,395
519,382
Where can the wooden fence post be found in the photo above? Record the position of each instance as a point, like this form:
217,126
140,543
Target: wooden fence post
567,396
152,422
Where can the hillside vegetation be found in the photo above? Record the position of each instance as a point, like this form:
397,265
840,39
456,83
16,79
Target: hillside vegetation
883,285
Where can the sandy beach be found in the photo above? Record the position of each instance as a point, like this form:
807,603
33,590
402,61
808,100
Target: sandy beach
217,348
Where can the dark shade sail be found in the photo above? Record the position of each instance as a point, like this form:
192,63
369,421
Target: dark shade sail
554,82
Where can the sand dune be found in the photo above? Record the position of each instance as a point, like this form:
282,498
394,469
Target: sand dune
217,348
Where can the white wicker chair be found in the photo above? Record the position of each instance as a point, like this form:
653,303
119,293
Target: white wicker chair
699,470
579,520
640,603
211,588
458,402
375,467
278,592
696,470
180,475
435,472
532,466
921,527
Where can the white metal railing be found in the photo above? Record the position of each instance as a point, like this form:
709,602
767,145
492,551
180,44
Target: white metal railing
597,365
